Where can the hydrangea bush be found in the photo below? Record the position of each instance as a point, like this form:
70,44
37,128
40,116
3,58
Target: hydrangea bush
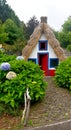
28,74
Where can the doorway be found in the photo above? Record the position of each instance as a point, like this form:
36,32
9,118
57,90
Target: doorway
43,62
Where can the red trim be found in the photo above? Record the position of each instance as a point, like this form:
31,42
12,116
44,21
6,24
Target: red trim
51,72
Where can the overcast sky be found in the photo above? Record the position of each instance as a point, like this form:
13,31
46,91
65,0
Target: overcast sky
57,11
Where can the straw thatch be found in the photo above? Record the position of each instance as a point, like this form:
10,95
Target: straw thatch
43,28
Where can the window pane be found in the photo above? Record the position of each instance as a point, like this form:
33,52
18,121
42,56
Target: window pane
33,60
42,45
53,62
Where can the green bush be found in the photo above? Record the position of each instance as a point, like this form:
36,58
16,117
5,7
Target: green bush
28,75
6,58
69,48
63,74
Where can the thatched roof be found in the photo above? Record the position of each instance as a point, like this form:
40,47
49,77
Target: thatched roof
43,28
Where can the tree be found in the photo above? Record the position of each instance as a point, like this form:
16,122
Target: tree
15,39
64,36
3,2
3,34
66,27
32,23
6,12
12,30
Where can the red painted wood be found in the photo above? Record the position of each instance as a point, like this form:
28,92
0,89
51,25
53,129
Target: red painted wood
51,72
43,62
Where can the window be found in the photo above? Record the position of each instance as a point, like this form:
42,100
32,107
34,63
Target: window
43,45
54,62
32,59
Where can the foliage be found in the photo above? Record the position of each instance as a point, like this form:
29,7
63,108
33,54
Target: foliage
12,37
6,12
12,30
63,74
16,48
30,26
28,75
69,48
64,36
66,27
3,34
6,58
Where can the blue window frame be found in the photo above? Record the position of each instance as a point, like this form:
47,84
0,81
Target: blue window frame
32,59
54,62
43,44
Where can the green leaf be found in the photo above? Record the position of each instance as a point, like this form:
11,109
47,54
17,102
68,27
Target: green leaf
12,103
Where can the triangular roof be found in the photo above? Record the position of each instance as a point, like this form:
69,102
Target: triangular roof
43,28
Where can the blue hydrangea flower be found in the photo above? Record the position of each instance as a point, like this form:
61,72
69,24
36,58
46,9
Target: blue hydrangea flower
5,66
20,58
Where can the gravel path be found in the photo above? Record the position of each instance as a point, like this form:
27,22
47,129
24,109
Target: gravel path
55,107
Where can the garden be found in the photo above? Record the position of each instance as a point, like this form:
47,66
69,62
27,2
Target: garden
48,104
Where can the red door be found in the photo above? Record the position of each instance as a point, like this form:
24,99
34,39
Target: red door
43,62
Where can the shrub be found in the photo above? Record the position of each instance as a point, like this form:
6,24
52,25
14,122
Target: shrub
6,58
69,48
63,74
28,75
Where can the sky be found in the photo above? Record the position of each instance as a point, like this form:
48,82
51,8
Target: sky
57,11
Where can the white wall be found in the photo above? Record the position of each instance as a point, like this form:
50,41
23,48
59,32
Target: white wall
36,50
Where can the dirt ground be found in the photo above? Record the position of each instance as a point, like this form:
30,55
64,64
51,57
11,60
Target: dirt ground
55,107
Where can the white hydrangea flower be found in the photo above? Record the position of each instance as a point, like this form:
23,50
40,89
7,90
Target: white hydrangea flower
11,75
20,58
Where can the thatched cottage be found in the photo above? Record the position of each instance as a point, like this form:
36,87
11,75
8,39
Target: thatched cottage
44,49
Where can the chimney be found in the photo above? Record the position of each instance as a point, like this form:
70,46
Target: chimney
43,19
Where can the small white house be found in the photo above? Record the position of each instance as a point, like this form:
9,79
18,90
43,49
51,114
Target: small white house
44,49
